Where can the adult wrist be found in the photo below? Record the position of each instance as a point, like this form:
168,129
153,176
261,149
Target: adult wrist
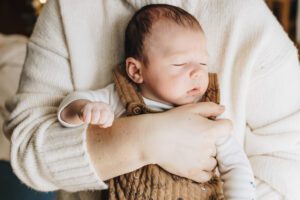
151,132
118,149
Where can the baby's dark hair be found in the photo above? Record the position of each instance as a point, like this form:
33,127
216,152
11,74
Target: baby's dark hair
141,23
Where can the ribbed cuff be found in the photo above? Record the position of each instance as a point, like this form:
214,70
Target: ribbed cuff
67,159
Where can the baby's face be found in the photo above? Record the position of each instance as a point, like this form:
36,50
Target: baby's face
177,71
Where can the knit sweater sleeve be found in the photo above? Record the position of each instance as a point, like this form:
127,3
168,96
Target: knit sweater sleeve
273,135
273,111
44,155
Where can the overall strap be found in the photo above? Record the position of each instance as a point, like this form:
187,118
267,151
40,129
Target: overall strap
129,95
212,93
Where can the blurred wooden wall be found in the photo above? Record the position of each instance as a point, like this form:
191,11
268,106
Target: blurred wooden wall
19,16
286,13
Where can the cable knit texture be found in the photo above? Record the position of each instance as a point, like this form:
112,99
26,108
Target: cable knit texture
75,45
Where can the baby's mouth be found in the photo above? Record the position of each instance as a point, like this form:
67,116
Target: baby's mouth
194,91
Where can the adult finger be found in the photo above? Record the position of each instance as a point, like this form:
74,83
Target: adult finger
207,109
221,128
202,176
210,164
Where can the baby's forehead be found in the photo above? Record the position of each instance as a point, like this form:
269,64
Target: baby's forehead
174,40
169,31
165,22
165,25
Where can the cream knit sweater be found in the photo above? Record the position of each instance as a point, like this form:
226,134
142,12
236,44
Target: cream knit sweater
12,56
76,43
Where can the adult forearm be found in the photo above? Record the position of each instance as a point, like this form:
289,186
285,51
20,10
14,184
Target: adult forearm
160,139
118,149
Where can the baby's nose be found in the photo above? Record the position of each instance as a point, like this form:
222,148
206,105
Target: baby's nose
195,73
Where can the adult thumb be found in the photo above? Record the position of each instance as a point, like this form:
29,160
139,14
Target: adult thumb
208,109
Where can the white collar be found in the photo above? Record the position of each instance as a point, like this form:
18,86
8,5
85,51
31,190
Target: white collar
157,106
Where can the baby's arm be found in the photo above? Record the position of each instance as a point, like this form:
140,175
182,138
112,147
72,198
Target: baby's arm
92,107
235,170
85,111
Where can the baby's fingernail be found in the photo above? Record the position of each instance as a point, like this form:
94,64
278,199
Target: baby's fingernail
222,107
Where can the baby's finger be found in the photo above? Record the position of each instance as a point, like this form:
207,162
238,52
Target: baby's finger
104,117
109,121
86,115
95,116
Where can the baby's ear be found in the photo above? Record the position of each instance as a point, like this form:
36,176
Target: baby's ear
133,69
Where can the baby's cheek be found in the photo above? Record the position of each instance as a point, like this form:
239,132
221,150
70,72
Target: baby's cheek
205,82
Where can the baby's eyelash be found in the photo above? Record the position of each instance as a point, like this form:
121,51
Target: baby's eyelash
178,65
182,64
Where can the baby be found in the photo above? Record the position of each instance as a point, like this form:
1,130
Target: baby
167,59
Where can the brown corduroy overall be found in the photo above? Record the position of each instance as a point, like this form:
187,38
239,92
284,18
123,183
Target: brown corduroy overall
151,182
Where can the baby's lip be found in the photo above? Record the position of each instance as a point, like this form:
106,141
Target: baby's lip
194,91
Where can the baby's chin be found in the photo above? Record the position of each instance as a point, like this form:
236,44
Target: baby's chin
189,100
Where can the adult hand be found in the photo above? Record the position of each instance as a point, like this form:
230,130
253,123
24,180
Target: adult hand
182,140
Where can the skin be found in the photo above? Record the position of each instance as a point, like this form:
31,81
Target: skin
177,71
129,143
94,113
133,142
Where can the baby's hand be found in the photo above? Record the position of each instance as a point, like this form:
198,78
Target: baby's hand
97,113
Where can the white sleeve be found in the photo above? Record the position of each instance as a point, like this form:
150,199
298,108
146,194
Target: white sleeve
106,95
235,170
44,155
272,141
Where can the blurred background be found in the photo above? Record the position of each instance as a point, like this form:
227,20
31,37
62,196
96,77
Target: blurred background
288,14
19,16
17,19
